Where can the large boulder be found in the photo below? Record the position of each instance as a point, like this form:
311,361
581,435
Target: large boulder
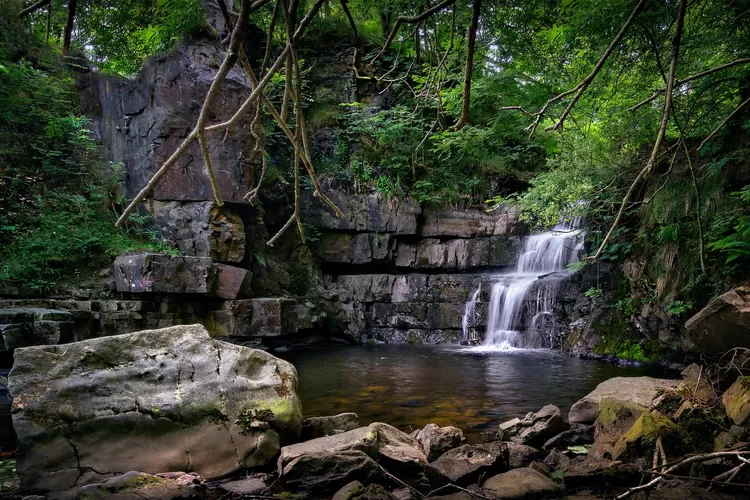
434,440
723,324
395,450
638,390
169,399
466,464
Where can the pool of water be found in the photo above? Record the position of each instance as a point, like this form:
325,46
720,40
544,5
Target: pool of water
411,386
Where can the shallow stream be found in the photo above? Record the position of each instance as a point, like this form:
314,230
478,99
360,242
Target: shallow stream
474,389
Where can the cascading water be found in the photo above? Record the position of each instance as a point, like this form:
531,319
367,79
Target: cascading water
514,314
469,312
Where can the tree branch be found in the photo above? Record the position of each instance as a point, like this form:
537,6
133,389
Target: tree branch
410,20
723,122
599,65
646,171
690,78
34,7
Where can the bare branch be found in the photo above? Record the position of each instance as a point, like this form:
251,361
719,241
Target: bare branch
475,12
723,122
410,20
646,171
34,7
690,78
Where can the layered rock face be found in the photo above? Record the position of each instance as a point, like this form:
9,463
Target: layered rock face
154,401
428,265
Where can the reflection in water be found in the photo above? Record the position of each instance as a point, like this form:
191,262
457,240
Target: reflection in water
411,386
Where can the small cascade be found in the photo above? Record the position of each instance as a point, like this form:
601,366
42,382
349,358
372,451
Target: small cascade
522,301
469,313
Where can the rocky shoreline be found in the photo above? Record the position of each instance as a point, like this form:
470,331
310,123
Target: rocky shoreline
173,413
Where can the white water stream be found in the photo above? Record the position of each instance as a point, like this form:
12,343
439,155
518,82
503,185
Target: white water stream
513,316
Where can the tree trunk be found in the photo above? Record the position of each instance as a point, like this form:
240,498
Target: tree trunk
69,27
476,8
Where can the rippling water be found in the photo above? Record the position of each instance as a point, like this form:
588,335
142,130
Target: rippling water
411,386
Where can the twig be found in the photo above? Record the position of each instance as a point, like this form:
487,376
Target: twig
723,122
690,78
411,20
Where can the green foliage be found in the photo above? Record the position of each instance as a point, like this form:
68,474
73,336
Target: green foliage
57,196
593,293
731,235
679,307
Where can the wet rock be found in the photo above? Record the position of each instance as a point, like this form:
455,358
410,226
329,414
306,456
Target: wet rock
723,324
577,435
434,440
121,403
465,464
521,455
142,486
247,486
638,390
616,417
536,428
736,401
396,451
327,471
202,229
697,384
521,483
316,427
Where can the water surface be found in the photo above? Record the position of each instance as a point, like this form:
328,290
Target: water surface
411,386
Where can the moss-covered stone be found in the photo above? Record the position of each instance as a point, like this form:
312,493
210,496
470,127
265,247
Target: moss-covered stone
643,433
737,401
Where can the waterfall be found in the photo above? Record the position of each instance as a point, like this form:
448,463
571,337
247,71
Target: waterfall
469,312
514,312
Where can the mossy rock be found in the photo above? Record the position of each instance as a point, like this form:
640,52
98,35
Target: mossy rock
737,401
643,434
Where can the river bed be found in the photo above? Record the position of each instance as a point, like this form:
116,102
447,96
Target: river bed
410,386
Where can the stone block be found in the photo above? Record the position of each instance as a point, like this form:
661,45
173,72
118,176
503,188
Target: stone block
202,229
723,324
147,272
230,282
469,223
272,317
365,213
